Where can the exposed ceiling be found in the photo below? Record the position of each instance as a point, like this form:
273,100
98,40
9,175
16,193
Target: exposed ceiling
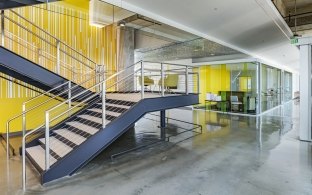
297,14
253,27
290,4
155,41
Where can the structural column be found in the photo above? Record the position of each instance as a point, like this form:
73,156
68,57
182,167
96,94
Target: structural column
305,92
163,124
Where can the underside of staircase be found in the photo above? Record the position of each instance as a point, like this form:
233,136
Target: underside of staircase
81,137
8,4
29,72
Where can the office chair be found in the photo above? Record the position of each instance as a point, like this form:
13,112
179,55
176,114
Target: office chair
235,104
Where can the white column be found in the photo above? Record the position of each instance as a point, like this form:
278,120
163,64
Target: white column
305,93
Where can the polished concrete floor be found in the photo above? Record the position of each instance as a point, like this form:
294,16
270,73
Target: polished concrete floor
234,155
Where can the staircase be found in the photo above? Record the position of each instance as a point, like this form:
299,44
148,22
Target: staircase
60,148
75,131
92,110
43,62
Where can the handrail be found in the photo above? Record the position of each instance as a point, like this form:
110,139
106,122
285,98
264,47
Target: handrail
173,64
38,105
46,92
77,95
35,47
24,112
51,35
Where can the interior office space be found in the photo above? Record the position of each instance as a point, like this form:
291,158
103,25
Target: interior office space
134,97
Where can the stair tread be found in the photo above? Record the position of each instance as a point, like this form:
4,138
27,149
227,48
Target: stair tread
116,105
116,114
93,118
83,127
57,146
37,153
71,136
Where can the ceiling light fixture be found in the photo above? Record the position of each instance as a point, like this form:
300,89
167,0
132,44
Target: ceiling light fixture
122,23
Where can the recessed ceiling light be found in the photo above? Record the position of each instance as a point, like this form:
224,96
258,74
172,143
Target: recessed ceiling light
212,54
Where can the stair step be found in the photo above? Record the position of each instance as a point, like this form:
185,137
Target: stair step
83,127
116,114
116,105
37,153
120,102
71,136
57,146
93,118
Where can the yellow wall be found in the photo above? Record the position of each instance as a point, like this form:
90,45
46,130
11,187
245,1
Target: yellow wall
213,79
71,26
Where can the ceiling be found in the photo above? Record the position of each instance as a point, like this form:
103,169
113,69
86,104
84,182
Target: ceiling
155,41
253,27
297,14
289,4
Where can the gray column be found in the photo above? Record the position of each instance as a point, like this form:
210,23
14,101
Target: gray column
305,92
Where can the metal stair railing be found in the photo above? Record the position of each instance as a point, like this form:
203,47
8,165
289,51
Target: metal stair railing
122,82
50,52
44,104
24,112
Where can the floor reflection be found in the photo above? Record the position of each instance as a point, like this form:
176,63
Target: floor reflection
233,155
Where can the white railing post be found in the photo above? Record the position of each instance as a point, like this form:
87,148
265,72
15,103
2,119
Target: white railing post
103,104
198,85
142,81
186,80
24,119
24,163
7,140
58,57
2,28
69,96
162,80
47,141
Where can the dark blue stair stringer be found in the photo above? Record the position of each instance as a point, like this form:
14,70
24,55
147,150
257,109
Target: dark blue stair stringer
94,145
29,72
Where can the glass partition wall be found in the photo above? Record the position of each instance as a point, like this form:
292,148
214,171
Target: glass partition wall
246,87
271,89
230,87
287,86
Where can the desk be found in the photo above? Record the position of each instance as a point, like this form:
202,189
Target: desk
222,102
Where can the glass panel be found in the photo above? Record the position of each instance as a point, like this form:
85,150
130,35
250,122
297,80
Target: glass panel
271,87
243,95
287,86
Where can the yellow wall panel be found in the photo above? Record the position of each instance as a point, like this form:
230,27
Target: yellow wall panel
70,26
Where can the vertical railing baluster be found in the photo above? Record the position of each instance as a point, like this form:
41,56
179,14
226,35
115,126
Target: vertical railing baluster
24,119
47,140
69,97
24,163
2,28
142,81
58,60
186,80
162,80
103,104
8,140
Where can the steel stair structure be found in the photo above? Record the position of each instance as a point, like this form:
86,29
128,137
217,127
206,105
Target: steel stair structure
69,140
7,4
45,66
